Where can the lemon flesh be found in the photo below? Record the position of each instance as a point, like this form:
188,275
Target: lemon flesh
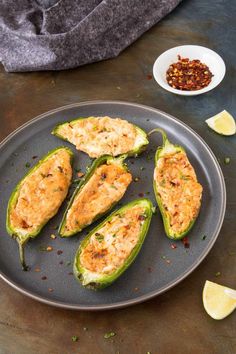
222,123
219,301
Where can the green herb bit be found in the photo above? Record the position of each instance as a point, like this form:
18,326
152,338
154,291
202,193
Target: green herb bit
142,168
227,160
163,257
218,274
68,263
114,187
185,178
109,335
27,165
162,183
114,235
74,338
203,237
99,237
154,210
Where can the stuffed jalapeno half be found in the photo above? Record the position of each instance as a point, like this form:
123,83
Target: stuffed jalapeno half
38,196
99,136
176,188
112,246
101,188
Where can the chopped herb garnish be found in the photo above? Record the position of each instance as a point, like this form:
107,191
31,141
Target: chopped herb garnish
154,210
99,237
27,165
185,178
163,257
218,274
109,335
42,248
203,237
114,187
227,160
74,338
68,263
76,180
162,183
114,235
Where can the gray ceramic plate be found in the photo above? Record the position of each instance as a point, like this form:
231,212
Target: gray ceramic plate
158,267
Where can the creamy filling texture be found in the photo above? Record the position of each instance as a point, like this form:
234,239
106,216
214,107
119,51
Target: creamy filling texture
99,136
106,186
111,245
42,193
178,189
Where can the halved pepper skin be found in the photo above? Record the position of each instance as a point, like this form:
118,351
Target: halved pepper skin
166,149
96,281
103,160
20,236
141,145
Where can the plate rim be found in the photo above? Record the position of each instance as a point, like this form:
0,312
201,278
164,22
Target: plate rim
154,293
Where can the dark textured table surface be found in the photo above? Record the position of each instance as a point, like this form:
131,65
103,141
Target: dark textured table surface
174,322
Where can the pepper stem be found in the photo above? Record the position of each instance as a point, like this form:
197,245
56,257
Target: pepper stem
163,133
22,255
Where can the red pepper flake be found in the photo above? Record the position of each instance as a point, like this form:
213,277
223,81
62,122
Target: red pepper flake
141,195
149,77
44,277
34,157
188,75
173,246
142,217
50,290
80,174
37,269
185,242
61,262
59,252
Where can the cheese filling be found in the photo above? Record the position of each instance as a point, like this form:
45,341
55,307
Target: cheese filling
42,193
99,136
106,186
178,189
111,245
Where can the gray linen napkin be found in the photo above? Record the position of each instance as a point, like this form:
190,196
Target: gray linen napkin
55,35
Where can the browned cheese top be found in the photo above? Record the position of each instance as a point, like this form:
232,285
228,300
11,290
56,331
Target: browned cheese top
42,193
99,136
111,245
178,189
106,187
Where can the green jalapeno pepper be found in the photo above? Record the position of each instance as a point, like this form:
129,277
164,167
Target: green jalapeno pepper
66,131
38,196
112,246
98,191
177,191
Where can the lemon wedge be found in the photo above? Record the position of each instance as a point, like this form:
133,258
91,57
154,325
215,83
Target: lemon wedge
222,123
219,301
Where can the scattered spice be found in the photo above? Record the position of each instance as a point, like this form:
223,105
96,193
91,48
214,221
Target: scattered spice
34,157
188,75
61,262
141,195
149,77
173,246
74,338
68,263
59,252
136,179
227,160
70,273
37,269
99,237
27,165
136,289
203,237
53,236
163,257
142,217
109,335
185,242
50,290
218,274
42,249
44,277
85,328
150,269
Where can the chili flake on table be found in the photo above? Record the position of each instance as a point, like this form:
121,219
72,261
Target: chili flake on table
188,75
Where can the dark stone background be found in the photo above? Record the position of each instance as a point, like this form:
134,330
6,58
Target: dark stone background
174,322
